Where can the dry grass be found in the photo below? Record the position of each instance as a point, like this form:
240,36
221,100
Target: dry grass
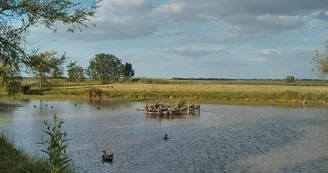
258,92
136,87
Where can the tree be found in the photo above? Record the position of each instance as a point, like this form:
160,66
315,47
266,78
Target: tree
128,71
75,72
18,16
290,79
13,87
46,64
321,62
105,67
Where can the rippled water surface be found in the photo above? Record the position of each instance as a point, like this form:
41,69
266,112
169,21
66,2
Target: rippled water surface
223,138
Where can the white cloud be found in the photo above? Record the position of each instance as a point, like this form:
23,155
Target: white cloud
257,59
115,19
193,52
168,33
269,51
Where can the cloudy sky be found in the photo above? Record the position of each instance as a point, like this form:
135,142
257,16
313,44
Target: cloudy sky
200,38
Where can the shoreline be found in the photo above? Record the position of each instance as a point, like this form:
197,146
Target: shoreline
14,160
237,101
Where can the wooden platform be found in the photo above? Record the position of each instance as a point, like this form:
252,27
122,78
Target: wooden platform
166,109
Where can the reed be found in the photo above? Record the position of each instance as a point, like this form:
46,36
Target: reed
55,147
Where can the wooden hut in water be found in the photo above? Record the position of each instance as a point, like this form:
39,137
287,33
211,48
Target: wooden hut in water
166,109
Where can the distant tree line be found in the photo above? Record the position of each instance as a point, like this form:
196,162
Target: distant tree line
254,79
50,65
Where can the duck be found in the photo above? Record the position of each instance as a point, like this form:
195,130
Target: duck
34,106
75,105
98,108
165,137
46,105
107,157
52,107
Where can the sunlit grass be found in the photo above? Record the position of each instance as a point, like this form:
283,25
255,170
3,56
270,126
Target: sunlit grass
201,90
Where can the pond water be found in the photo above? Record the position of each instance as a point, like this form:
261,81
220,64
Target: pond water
223,138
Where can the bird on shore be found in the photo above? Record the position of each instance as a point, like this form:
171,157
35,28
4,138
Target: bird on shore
165,137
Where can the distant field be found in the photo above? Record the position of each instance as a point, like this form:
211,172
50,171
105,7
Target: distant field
198,87
244,91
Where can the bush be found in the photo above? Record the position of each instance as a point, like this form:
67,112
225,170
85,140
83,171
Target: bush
13,88
25,89
181,103
94,92
55,147
290,79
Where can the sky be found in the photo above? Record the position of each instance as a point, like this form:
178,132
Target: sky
199,38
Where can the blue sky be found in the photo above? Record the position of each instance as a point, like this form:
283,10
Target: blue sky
193,38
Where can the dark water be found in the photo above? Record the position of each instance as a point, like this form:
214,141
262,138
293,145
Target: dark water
224,138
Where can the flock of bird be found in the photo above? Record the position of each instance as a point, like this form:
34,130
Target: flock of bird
98,108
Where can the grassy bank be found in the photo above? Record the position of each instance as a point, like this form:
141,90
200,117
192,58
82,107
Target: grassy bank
13,160
196,91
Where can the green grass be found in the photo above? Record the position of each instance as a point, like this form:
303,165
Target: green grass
228,91
13,160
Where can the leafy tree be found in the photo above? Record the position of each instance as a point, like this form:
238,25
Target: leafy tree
321,62
46,64
128,71
18,16
75,72
105,67
13,87
290,79
5,73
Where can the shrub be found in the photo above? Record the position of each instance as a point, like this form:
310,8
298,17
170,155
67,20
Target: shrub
181,103
55,146
290,79
13,88
25,89
94,92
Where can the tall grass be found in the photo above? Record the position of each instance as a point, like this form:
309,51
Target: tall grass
57,161
13,160
55,147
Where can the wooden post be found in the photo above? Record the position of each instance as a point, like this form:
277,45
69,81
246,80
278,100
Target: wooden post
147,108
188,108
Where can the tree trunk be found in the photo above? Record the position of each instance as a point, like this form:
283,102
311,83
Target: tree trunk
40,82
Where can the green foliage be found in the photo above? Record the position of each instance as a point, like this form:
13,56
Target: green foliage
31,13
13,160
46,64
25,89
321,62
75,72
55,146
181,103
94,92
5,74
128,71
13,87
290,79
105,67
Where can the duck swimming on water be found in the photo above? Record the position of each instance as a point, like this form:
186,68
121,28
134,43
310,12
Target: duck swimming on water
107,157
165,137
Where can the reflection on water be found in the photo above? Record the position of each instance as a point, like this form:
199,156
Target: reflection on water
223,138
